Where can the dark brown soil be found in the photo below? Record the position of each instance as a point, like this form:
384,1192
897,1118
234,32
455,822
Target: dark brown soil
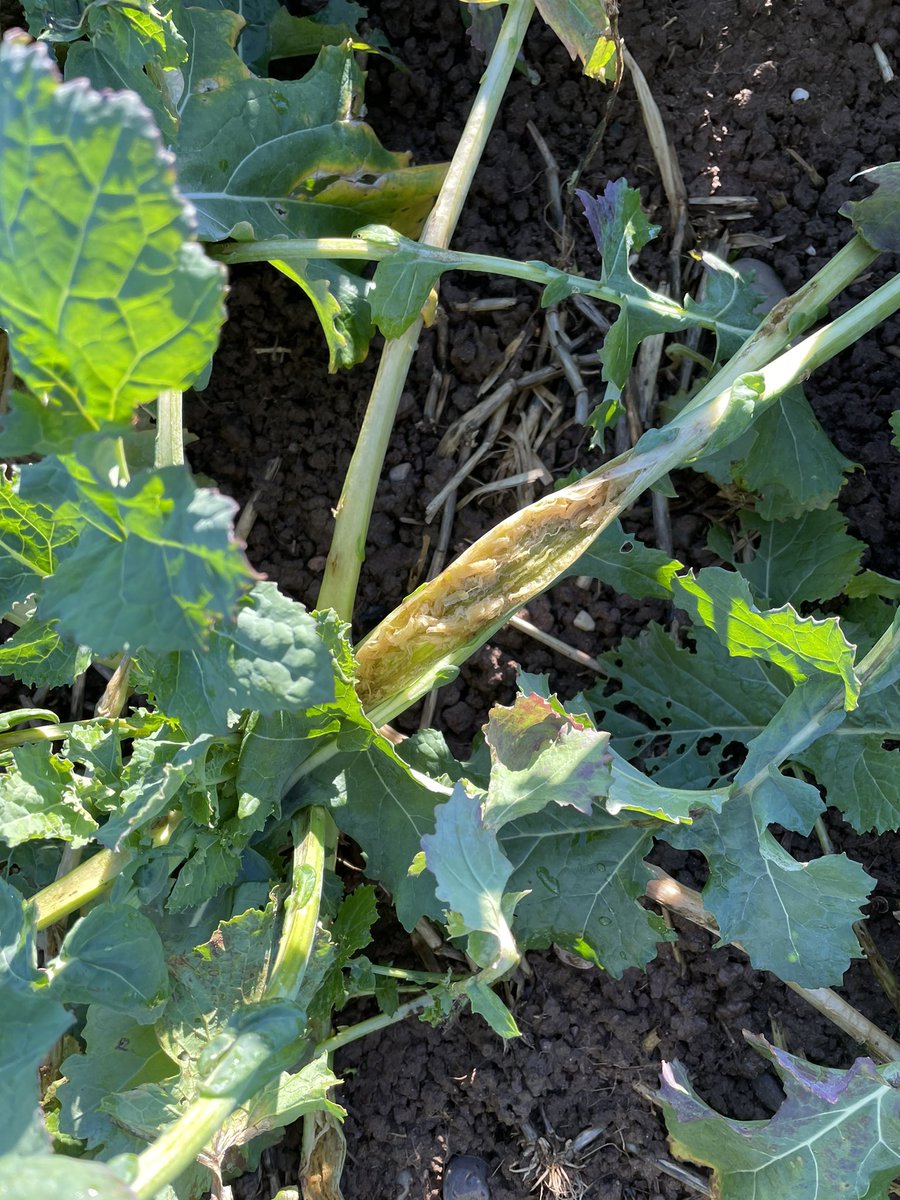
722,72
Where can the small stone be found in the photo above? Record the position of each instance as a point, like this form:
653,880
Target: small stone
584,582
585,621
811,251
400,472
466,1178
317,564
799,95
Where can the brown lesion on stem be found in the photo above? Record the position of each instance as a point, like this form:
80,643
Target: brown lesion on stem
490,581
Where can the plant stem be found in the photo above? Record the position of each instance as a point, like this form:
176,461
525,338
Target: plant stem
301,909
354,508
169,449
57,733
182,1141
91,878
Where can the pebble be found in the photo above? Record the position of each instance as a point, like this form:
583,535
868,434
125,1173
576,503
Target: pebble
583,620
400,472
466,1178
799,95
317,564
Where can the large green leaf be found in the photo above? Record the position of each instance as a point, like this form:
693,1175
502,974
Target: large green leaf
584,876
795,919
730,301
39,657
377,802
113,956
105,299
60,1178
268,159
31,1021
810,557
30,545
786,458
119,1055
837,1133
270,659
470,869
697,705
40,797
721,601
875,216
157,568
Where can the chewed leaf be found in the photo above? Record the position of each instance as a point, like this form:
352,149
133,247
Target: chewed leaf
539,756
106,303
835,1134
721,600
626,565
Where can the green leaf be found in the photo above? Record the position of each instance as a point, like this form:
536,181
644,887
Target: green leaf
632,791
402,285
119,1056
485,1001
470,869
721,600
306,166
281,1102
60,1178
620,229
870,583
787,459
131,47
162,574
334,23
875,217
159,766
106,300
627,565
30,545
895,428
31,1020
539,756
39,657
584,876
112,956
859,775
583,28
697,705
341,299
376,801
730,301
39,798
811,557
836,1134
271,659
794,919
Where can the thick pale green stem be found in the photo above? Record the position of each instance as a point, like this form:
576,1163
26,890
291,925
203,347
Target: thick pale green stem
301,909
180,1144
354,508
169,431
